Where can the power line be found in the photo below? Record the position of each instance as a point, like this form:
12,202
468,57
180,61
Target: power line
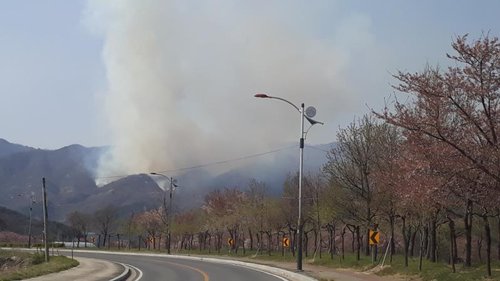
317,148
230,160
212,163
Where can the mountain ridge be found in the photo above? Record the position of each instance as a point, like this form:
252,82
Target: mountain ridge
7,148
71,185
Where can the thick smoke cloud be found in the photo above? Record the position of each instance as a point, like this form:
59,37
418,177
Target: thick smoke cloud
182,74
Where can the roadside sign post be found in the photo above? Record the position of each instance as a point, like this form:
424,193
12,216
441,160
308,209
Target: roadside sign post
374,240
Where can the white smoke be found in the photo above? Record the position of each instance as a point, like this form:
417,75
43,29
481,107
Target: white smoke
182,75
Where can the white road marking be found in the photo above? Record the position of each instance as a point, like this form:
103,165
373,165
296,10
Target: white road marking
137,269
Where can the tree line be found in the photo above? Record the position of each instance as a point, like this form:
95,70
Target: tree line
424,171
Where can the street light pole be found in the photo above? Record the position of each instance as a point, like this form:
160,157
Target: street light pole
169,212
301,170
301,165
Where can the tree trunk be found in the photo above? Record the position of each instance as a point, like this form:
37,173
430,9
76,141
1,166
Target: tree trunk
406,240
368,218
451,224
426,238
342,239
455,247
358,239
278,241
498,234
305,243
218,241
487,232
269,242
330,240
316,238
259,244
209,243
367,242
480,248
353,233
243,242
105,234
392,243
282,246
412,243
421,253
251,238
433,239
468,234
321,241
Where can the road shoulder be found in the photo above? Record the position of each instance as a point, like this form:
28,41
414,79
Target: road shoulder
88,270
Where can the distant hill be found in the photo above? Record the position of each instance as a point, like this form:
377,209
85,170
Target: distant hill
7,148
12,221
68,179
71,185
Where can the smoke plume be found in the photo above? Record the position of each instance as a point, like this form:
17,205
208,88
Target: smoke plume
182,74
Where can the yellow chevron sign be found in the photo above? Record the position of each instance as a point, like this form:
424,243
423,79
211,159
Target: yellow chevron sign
286,242
374,237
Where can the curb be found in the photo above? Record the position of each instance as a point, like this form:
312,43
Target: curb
289,275
125,274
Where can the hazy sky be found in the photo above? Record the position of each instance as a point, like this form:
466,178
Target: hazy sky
180,75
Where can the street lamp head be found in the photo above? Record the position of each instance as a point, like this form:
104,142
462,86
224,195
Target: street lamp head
261,96
153,173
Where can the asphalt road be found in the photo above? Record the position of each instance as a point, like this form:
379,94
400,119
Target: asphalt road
166,268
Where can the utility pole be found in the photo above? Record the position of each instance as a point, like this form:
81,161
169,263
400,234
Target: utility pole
32,200
45,220
169,211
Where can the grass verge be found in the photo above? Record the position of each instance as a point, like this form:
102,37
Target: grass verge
16,265
441,271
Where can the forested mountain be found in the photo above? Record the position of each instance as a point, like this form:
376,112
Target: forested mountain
7,148
71,184
12,221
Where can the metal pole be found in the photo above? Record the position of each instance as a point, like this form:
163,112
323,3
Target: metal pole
301,168
45,220
170,215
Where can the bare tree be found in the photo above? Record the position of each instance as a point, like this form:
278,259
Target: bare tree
352,163
104,220
79,223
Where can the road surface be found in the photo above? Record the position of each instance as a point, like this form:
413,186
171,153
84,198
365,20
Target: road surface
159,268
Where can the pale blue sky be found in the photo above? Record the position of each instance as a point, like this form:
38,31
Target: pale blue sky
53,78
